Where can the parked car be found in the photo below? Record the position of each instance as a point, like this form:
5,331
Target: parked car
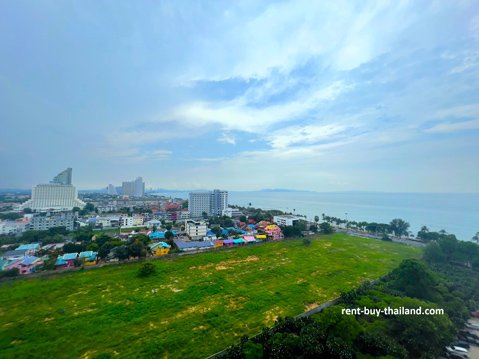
475,314
455,349
472,326
462,344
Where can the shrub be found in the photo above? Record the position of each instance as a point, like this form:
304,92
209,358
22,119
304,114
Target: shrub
10,273
306,242
147,269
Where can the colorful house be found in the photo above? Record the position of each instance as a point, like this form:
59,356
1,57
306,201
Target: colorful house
218,243
249,239
66,261
89,258
31,248
238,241
274,232
29,264
160,249
228,243
193,245
156,235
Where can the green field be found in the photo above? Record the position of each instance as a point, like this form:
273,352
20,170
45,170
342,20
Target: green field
194,306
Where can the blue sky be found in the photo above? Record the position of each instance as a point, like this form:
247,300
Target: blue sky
324,96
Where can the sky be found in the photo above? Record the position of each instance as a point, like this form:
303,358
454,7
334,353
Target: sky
307,95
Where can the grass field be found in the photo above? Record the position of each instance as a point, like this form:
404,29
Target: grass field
195,306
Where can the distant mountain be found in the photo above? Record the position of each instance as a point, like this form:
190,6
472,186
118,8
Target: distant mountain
15,190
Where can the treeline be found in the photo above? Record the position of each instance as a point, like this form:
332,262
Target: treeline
447,278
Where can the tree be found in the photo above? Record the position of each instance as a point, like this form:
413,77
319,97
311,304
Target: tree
326,228
168,227
92,247
143,238
316,219
399,227
476,237
27,210
49,264
89,207
291,231
217,231
184,205
72,248
169,235
76,209
104,250
12,216
205,215
121,252
137,249
243,218
306,242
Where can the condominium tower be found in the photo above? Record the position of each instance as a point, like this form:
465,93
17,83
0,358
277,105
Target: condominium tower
134,188
210,202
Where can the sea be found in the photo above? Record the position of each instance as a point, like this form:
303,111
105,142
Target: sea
456,213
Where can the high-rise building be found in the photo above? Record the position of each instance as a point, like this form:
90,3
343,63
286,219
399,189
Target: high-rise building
57,195
210,202
134,188
111,190
64,177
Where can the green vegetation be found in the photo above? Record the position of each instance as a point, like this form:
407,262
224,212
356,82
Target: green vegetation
196,305
447,279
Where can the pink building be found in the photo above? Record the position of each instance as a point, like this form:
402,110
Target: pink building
26,265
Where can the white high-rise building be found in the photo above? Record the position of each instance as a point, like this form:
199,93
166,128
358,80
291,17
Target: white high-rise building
64,177
111,190
57,195
211,202
134,188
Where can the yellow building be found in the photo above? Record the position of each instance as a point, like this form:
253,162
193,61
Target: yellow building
160,249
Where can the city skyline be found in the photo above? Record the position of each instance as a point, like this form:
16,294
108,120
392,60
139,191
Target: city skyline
322,97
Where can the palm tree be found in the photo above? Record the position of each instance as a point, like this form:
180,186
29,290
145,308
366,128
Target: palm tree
399,227
476,237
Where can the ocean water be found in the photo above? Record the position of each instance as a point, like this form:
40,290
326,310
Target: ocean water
453,212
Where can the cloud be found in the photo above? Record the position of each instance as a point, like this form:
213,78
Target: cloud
227,138
301,135
454,127
239,115
471,110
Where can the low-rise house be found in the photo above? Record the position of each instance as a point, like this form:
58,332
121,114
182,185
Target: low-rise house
14,255
26,265
238,241
274,232
249,239
192,245
66,261
31,248
153,223
3,264
89,258
218,243
262,237
228,243
160,249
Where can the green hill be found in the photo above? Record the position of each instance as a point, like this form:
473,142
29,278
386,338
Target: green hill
194,306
